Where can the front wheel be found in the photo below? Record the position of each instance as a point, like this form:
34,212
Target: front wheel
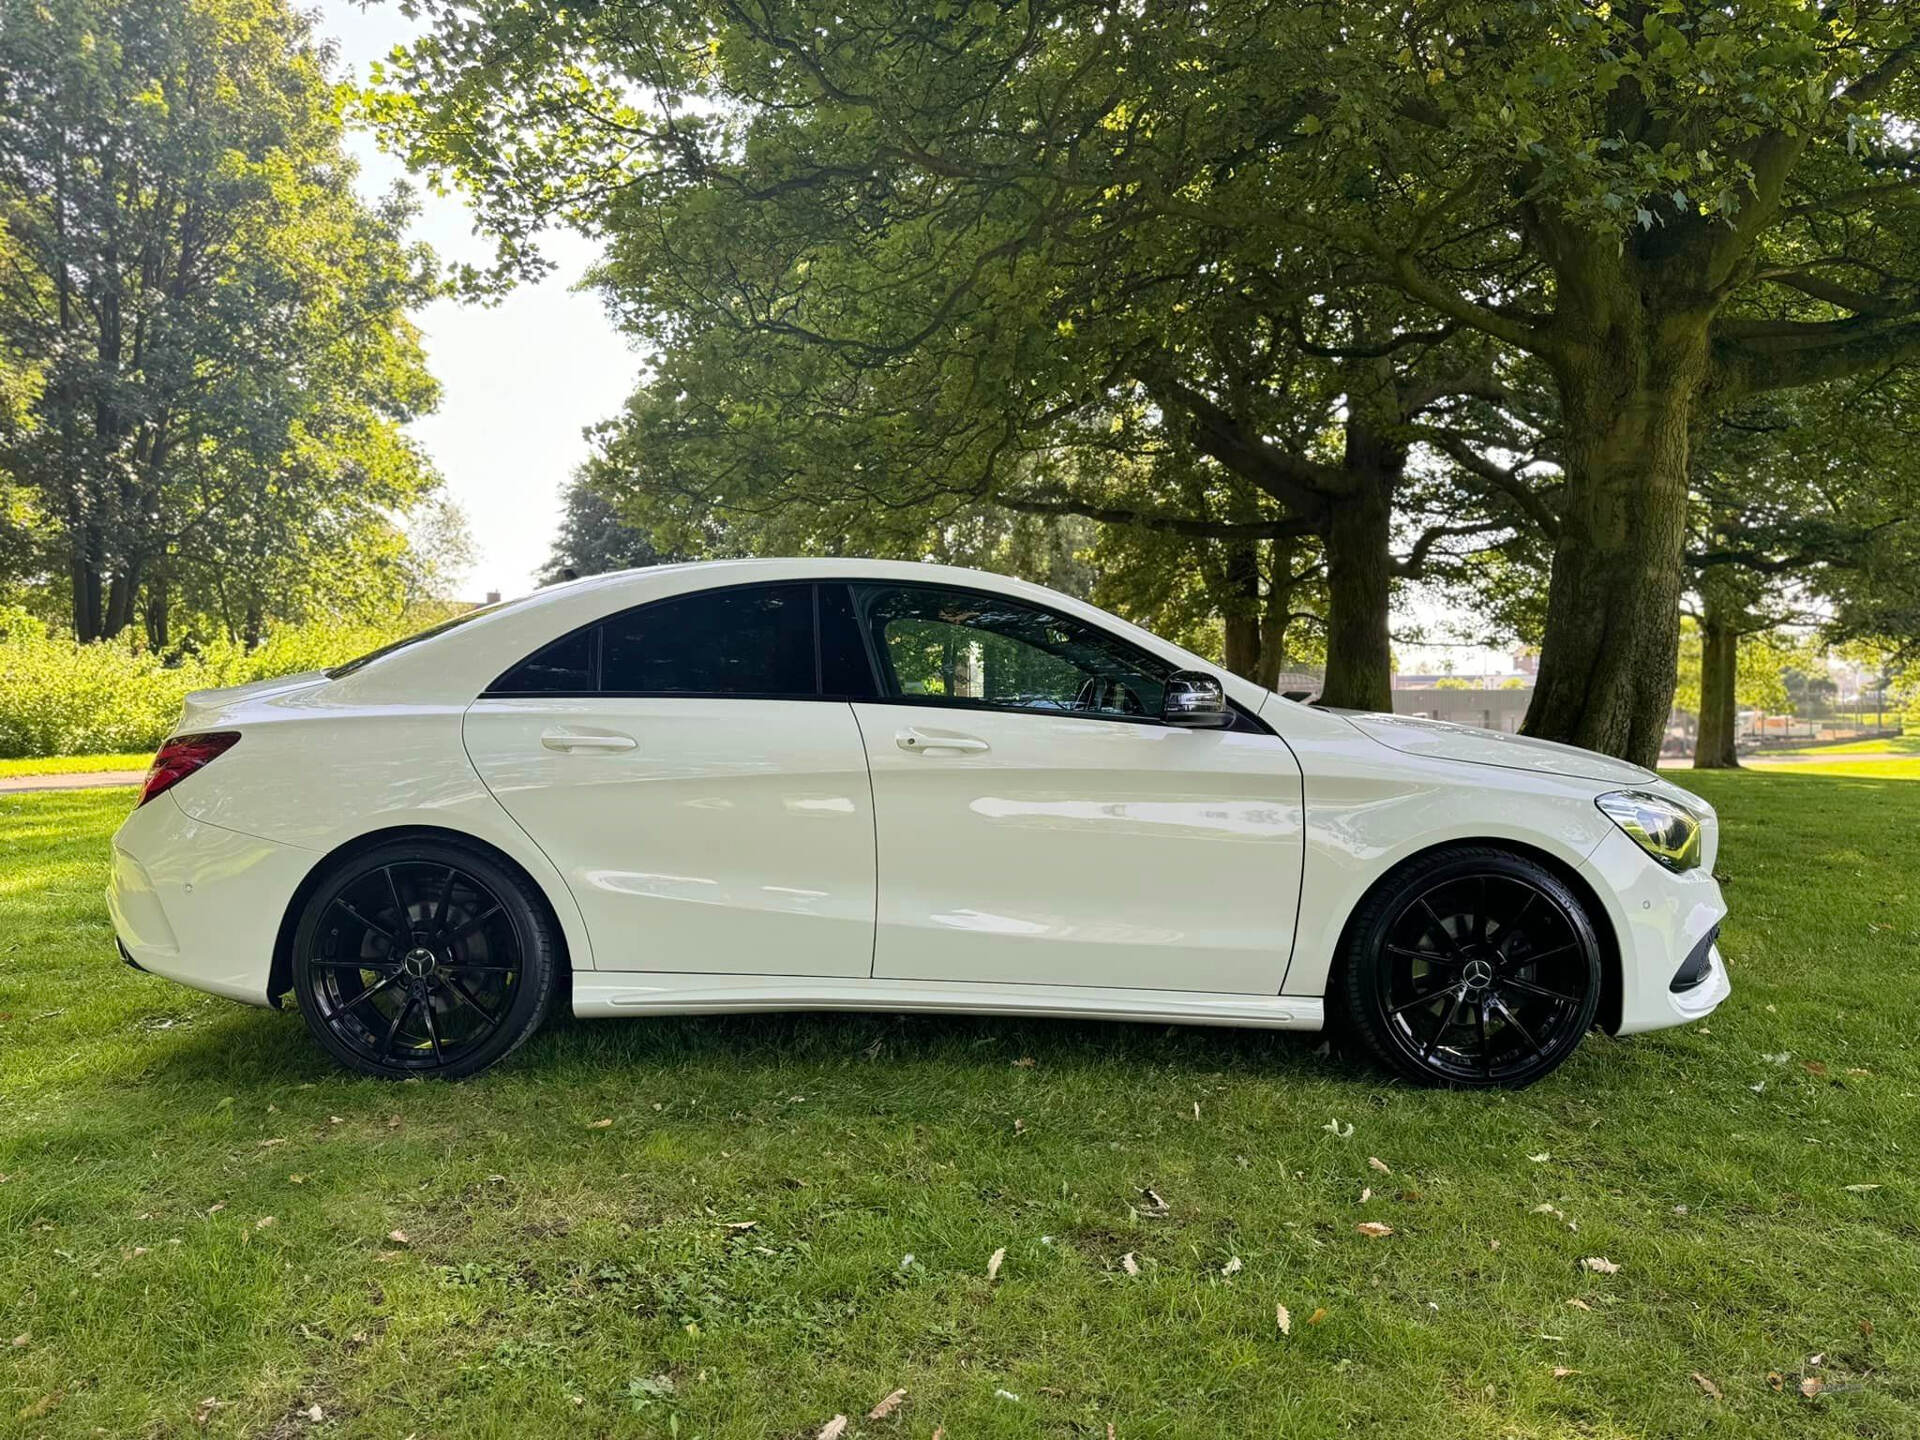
423,957
1471,967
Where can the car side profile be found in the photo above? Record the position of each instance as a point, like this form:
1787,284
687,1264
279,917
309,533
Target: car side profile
837,784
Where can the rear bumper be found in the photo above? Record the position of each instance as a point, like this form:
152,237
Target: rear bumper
1659,919
199,904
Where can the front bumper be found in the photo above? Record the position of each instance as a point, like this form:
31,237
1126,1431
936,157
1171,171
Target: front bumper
1659,919
201,904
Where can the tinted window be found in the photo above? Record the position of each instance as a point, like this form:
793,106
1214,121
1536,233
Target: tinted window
968,648
756,641
845,670
565,666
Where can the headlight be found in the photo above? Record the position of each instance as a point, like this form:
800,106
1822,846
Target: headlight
1667,831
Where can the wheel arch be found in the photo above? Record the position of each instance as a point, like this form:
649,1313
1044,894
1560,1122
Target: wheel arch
1612,984
280,971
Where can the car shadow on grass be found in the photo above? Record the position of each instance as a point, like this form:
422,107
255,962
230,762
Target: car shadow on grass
266,1049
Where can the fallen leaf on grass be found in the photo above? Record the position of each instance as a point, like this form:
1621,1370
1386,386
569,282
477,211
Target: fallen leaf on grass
834,1428
1560,1372
1154,1205
1333,1128
1600,1265
204,1411
217,1207
20,1342
1579,1304
1812,1386
1366,1194
1373,1229
1775,1380
43,1406
994,1261
314,1413
1129,1263
1317,1316
1376,1163
1283,1319
740,1227
1232,1267
335,1120
1707,1386
1541,1158
887,1406
398,1237
1862,1189
263,1222
269,1144
598,1124
393,1122
1025,1062
1813,1067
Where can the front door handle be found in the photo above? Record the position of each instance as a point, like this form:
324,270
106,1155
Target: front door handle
580,740
913,740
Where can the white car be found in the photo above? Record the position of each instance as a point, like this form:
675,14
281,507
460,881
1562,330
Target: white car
863,785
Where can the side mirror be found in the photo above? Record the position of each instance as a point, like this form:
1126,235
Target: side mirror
1196,701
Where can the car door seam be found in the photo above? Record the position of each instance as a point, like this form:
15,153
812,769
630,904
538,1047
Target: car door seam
873,813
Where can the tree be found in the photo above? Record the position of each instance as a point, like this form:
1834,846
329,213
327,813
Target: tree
897,263
593,539
219,321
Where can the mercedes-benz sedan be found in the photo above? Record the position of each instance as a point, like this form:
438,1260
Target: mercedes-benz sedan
834,784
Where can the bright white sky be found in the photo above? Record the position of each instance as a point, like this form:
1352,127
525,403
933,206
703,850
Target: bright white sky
520,380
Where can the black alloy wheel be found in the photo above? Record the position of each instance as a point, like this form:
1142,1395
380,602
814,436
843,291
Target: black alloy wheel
1472,967
423,958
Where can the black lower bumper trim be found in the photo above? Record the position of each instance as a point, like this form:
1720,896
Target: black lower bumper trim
1693,970
127,955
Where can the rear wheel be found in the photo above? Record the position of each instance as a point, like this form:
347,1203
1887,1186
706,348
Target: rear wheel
1472,967
423,957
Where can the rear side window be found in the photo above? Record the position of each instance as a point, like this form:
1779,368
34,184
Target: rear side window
564,667
754,641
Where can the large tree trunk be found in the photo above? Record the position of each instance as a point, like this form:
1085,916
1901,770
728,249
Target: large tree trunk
1277,615
1359,539
1713,747
123,594
1240,608
84,569
1612,635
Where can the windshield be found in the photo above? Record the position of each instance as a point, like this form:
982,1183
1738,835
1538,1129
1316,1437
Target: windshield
427,634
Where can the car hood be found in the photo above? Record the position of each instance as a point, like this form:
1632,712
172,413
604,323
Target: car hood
1444,741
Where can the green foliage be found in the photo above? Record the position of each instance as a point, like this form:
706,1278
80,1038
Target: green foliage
59,697
217,323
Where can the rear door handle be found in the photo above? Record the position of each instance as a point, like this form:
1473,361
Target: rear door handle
912,740
581,740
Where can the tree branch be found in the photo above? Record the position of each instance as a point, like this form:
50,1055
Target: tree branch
1187,525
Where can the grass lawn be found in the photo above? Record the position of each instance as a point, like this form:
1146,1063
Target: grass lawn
1886,745
1901,768
74,764
196,1208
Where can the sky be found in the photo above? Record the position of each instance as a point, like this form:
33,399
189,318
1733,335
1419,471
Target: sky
519,380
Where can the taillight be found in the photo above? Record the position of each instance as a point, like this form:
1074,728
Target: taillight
181,756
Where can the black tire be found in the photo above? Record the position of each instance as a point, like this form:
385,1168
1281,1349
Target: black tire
424,957
1470,967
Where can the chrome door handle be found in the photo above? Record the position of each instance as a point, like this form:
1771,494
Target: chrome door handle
574,740
912,740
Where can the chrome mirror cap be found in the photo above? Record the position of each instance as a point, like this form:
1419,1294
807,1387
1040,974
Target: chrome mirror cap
1196,700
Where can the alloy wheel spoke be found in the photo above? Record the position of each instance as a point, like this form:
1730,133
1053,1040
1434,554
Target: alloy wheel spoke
1512,1019
402,919
1459,999
380,965
359,919
446,898
433,1031
466,997
1552,952
1486,1050
469,927
1431,957
1527,987
1441,926
373,990
399,1018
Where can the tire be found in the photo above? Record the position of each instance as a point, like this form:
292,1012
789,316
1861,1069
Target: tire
424,957
1470,967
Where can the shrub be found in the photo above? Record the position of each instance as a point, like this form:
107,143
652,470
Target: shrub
58,697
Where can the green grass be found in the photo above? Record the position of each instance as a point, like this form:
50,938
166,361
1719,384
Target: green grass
1893,769
558,1278
73,764
1886,745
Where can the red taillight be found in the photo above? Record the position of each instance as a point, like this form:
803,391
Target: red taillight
181,756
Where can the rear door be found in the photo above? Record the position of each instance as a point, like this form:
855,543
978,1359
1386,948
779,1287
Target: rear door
708,806
1039,824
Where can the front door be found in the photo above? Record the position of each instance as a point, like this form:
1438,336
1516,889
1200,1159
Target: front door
1037,824
709,811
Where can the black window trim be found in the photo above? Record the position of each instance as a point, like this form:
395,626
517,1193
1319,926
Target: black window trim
876,665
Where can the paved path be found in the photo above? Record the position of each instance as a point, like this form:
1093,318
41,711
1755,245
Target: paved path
72,780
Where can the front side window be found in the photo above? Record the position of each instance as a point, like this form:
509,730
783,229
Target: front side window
966,648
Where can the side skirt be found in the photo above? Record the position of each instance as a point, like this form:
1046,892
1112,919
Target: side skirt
602,993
